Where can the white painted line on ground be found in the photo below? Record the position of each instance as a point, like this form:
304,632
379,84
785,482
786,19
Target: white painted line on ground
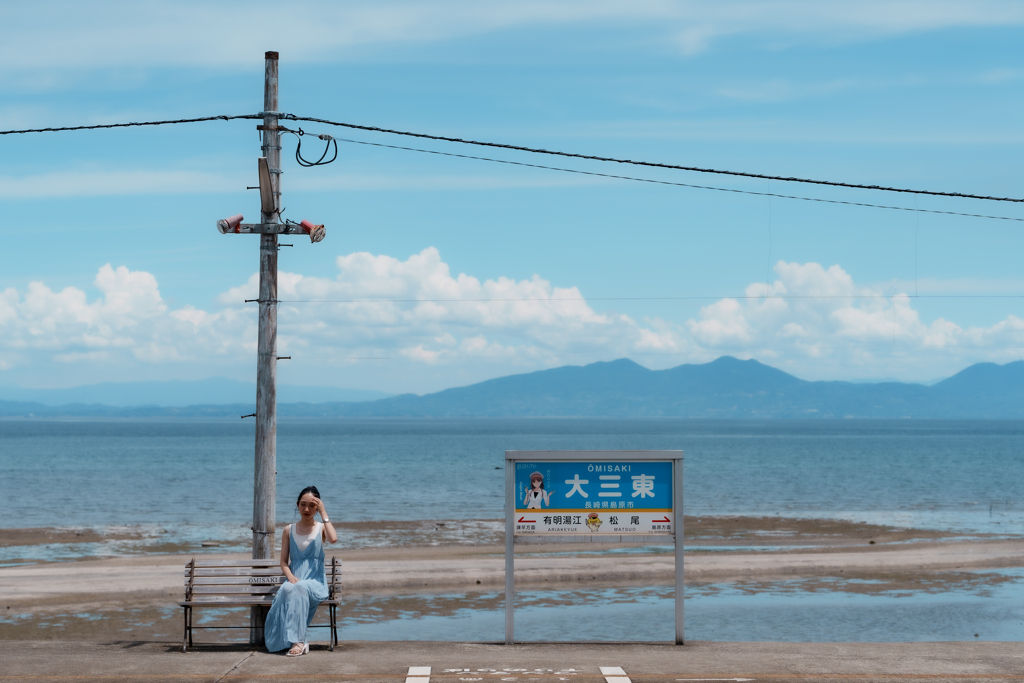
418,674
614,674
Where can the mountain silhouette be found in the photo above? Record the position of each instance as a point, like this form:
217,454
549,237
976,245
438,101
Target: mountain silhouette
724,388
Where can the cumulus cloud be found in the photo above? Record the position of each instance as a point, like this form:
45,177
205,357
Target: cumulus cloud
376,306
418,308
129,321
812,312
812,320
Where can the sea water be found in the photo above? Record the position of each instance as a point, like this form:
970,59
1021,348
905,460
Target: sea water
965,476
187,481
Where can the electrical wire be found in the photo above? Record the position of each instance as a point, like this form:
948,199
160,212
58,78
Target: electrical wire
522,148
130,124
784,297
302,161
651,164
689,185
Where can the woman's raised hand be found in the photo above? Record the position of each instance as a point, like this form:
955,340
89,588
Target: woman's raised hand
320,508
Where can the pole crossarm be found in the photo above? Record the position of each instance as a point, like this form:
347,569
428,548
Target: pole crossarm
269,229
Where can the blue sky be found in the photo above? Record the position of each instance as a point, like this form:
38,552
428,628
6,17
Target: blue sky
114,270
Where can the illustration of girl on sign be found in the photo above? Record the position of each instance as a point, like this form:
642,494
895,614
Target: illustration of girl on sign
535,494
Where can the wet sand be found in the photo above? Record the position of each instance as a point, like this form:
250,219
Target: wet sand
439,567
698,530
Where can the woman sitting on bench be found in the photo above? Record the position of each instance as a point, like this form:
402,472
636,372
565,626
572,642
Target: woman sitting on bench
302,560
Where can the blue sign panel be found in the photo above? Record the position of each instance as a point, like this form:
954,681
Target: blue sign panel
600,497
588,486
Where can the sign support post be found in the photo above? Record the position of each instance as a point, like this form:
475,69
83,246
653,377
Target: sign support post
510,548
593,497
677,505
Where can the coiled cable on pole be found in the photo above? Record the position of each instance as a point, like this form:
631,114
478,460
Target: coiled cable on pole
302,161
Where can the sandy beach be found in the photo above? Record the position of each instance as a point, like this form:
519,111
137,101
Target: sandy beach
108,597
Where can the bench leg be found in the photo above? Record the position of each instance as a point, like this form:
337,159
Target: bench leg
184,629
334,626
190,627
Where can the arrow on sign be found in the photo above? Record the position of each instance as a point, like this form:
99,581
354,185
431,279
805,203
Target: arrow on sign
528,521
693,679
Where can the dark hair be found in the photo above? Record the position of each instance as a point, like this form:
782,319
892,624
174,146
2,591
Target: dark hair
537,475
308,489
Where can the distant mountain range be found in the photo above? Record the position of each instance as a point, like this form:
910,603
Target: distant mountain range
725,388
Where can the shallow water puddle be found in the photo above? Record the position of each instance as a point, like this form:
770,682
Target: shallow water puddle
935,608
855,610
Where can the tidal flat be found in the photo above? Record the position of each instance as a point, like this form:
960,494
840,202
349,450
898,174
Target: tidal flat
747,578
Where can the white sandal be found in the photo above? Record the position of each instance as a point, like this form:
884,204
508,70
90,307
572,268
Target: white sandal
304,650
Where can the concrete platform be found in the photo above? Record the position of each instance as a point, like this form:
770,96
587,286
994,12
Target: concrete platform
390,662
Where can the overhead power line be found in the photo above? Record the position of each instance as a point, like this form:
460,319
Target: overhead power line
132,124
668,182
756,297
531,150
650,164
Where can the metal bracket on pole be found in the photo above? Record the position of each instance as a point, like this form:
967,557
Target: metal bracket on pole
270,229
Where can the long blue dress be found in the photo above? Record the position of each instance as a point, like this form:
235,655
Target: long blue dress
295,603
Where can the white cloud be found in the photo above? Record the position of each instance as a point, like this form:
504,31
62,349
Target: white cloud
429,316
848,330
419,309
817,323
73,35
128,322
98,182
798,21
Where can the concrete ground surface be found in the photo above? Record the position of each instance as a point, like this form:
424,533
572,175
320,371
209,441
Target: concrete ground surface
445,662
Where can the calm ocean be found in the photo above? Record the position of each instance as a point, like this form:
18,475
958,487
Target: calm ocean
184,482
953,475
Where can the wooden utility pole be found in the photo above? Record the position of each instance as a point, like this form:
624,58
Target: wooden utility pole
265,471
270,226
265,481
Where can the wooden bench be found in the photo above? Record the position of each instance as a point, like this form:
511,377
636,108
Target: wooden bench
247,583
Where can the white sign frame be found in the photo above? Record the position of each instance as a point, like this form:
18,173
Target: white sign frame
511,539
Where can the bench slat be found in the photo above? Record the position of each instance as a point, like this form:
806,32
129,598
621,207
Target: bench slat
237,602
240,571
237,571
269,579
241,562
227,601
235,590
236,581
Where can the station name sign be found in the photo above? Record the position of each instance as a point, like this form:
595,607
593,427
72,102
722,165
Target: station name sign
599,497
